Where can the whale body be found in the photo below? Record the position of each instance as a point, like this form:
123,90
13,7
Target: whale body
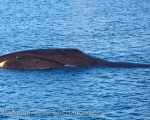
57,58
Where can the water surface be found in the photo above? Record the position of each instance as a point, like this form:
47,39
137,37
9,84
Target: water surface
112,30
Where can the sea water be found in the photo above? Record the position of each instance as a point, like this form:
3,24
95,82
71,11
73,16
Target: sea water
109,29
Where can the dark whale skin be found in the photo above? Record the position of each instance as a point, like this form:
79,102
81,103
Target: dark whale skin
57,58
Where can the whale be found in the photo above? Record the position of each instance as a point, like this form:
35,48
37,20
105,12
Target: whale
58,58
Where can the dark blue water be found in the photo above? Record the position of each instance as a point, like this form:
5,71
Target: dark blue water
109,29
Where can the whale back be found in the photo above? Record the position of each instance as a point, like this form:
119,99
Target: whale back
46,58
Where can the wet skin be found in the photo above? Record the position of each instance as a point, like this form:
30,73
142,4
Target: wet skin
57,58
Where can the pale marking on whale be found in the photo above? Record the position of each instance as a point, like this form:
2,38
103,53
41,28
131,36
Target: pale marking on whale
2,63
